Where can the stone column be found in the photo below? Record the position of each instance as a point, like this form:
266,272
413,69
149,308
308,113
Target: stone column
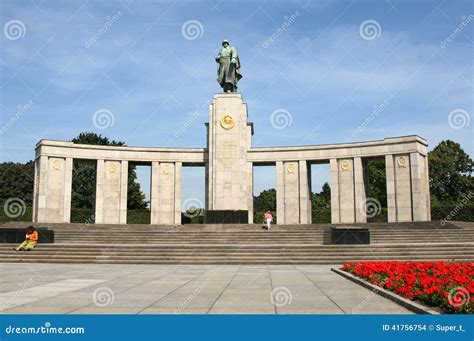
111,192
177,192
420,187
154,192
391,195
165,199
399,200
343,196
361,202
335,213
305,192
293,199
40,194
280,190
53,190
250,191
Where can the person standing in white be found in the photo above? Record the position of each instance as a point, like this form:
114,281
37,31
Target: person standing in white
268,218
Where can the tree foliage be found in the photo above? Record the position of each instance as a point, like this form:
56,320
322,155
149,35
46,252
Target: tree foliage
450,172
84,174
17,181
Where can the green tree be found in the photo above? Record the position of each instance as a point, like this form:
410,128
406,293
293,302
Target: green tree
17,181
376,180
83,187
450,172
322,200
266,200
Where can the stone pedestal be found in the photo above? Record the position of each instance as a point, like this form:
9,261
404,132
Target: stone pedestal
227,169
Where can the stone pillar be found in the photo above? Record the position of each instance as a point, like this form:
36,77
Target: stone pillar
420,187
165,198
111,192
154,192
399,199
177,192
305,192
53,181
335,214
293,199
250,191
228,142
343,190
280,190
361,202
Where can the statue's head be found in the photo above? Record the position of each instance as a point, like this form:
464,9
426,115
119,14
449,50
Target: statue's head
225,43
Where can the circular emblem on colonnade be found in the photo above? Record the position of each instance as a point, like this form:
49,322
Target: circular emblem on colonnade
112,168
345,165
227,122
402,162
290,168
56,165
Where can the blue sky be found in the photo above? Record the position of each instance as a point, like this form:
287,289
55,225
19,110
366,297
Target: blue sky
329,68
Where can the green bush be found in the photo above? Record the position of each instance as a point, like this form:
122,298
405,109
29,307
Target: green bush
453,212
82,215
321,216
138,216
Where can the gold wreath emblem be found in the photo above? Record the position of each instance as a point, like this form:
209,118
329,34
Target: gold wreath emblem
402,162
227,122
290,168
112,168
345,165
56,165
166,169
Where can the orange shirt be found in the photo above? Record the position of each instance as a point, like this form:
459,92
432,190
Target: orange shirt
32,236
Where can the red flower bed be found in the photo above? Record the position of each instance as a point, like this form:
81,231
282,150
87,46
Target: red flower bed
447,285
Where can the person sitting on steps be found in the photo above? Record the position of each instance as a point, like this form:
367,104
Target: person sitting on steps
30,241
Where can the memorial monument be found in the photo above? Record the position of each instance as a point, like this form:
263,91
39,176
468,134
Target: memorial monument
229,159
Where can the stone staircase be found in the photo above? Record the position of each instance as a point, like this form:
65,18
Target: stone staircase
244,244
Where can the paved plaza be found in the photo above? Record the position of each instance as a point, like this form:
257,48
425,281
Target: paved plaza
184,289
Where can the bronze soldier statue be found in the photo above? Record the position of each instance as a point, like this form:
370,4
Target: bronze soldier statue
228,72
